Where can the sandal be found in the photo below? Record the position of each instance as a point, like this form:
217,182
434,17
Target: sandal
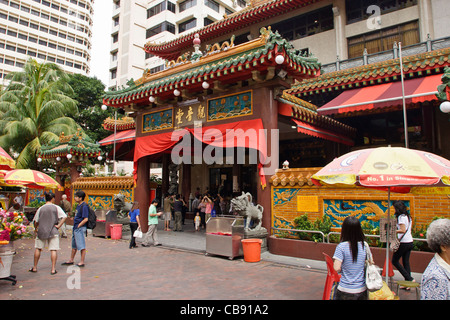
66,263
32,270
53,272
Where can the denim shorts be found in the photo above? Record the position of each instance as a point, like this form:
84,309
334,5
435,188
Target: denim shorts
78,240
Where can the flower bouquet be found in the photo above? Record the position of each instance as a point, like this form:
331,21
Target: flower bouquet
13,226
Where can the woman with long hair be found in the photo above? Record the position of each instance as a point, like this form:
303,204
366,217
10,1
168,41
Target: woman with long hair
134,223
404,225
349,260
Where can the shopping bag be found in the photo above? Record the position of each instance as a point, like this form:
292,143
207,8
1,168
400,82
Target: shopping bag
137,233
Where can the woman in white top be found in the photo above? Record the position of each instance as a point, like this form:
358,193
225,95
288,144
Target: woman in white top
404,225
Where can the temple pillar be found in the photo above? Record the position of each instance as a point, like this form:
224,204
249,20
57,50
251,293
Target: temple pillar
265,98
141,192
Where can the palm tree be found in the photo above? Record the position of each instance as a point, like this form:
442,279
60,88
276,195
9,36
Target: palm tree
35,109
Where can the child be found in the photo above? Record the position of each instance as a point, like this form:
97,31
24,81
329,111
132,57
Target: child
197,221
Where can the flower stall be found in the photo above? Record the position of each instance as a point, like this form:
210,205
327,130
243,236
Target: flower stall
13,226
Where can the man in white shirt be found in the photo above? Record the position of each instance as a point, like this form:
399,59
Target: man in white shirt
47,221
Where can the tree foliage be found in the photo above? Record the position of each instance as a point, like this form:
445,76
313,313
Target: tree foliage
35,108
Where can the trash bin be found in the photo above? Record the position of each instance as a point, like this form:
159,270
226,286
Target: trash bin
5,266
252,249
116,231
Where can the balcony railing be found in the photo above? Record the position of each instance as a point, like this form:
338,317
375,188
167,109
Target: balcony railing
427,46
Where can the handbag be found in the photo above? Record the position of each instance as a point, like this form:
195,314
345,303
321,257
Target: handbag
395,244
137,233
374,281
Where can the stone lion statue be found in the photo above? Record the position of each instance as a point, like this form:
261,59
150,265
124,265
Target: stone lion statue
243,206
120,205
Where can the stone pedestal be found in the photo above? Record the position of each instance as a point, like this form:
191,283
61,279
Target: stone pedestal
259,234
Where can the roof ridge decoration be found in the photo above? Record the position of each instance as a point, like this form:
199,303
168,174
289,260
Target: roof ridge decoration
75,144
217,64
374,73
255,12
125,123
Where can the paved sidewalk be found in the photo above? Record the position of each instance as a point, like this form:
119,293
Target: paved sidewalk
177,270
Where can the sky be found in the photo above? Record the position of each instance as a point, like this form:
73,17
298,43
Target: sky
101,40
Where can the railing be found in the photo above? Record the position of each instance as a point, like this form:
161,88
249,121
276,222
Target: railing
422,47
307,231
333,233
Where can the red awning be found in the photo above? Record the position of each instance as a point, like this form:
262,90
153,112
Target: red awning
121,136
216,135
383,95
246,134
317,132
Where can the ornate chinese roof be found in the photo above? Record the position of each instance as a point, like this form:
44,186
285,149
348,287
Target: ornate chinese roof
219,66
255,12
126,123
104,183
75,145
293,177
376,73
307,112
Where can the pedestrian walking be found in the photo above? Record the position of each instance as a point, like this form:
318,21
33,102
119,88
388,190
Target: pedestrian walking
349,260
436,277
152,225
178,208
48,220
79,229
404,226
66,207
134,223
167,208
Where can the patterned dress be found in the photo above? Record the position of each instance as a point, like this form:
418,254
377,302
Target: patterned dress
436,280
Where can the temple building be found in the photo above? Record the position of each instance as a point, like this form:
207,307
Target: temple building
302,81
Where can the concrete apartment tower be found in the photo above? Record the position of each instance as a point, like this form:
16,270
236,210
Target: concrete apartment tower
57,31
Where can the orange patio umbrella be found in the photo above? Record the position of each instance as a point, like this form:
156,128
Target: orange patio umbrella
29,178
6,162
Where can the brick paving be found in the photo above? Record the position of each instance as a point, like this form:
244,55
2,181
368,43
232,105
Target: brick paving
115,272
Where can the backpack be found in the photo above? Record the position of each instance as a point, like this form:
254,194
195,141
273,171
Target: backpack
92,218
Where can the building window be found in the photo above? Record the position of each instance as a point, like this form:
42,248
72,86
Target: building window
165,5
165,26
113,73
383,40
207,21
306,24
357,9
212,4
187,4
184,26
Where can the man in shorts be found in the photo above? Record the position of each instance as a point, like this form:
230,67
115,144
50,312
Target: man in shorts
47,221
79,229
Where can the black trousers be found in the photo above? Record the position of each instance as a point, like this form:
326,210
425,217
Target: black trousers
404,251
133,228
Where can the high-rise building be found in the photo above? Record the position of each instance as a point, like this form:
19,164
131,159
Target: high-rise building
137,22
57,31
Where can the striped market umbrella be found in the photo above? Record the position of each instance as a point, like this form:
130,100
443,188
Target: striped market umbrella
387,168
30,178
6,162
